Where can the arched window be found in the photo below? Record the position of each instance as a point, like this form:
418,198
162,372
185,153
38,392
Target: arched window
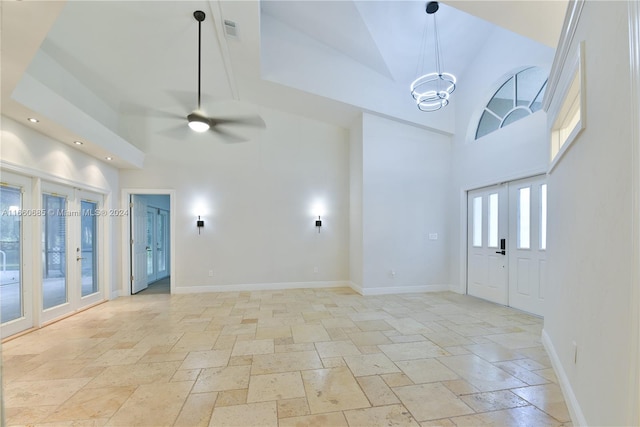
520,96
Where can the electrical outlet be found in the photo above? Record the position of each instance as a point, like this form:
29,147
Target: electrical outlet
210,273
433,236
315,269
392,273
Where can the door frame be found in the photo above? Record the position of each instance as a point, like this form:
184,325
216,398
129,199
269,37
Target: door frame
126,194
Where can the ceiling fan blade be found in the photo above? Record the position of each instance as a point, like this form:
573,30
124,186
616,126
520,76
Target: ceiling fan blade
141,110
252,120
227,136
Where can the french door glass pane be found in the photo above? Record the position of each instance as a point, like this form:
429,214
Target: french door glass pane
88,245
150,239
493,220
477,222
10,253
54,251
161,238
524,218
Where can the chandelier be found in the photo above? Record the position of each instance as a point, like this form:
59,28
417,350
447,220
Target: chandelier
431,90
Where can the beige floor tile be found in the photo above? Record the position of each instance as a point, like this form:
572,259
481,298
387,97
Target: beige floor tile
522,416
391,416
273,332
426,371
333,419
368,338
460,387
185,375
336,348
92,403
521,373
398,339
140,373
262,414
377,391
441,404
333,362
195,341
370,364
493,401
285,362
547,397
548,374
480,373
309,333
412,350
330,390
245,348
197,410
222,378
28,415
373,325
516,340
163,357
232,397
396,380
284,385
493,352
41,393
152,405
206,359
338,322
293,407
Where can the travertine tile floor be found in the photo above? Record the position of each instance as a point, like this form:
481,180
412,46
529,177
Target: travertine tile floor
326,357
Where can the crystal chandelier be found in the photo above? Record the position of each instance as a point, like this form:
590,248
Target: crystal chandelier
431,91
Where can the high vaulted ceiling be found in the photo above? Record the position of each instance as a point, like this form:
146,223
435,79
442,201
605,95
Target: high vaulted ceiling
116,75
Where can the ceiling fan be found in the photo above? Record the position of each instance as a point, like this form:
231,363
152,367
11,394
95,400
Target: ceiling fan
198,120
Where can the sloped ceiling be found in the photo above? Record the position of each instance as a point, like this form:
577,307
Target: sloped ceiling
129,69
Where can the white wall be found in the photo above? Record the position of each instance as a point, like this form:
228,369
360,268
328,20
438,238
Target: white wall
355,203
591,234
259,200
516,151
33,154
406,171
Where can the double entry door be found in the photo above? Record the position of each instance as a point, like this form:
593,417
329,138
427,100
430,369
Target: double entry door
507,242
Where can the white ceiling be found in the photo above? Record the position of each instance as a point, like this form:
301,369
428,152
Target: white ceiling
119,64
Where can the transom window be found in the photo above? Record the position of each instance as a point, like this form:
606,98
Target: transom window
520,96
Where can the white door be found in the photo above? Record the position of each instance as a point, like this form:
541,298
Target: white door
88,259
139,247
16,262
162,244
152,271
528,236
506,260
487,272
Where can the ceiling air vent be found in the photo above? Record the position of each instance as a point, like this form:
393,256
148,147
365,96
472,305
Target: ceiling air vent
230,28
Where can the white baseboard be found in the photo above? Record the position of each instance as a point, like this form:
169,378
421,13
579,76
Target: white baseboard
259,287
116,293
388,290
577,417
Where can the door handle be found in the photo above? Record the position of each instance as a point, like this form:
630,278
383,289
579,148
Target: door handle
79,258
501,252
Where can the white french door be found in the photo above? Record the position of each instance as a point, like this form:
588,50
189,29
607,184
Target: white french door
71,231
487,274
506,244
16,260
139,247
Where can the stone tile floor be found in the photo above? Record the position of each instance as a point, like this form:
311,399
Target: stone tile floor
313,357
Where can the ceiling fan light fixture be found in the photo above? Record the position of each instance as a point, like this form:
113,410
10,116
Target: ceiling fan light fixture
198,123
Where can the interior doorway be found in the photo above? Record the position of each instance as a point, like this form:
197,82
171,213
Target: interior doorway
150,233
506,243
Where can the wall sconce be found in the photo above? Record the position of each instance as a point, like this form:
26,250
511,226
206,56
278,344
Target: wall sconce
199,224
318,223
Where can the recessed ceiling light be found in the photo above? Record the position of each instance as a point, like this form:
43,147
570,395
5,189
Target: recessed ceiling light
108,158
32,120
78,142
